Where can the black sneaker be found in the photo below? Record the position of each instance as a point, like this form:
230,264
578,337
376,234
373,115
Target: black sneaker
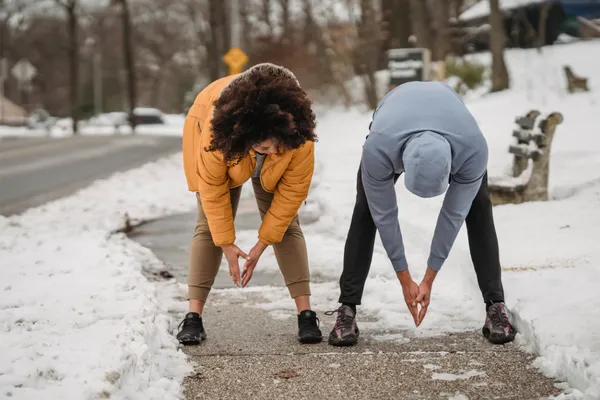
497,328
345,331
308,327
192,331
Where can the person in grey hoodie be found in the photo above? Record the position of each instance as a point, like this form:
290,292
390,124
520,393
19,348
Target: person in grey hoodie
423,130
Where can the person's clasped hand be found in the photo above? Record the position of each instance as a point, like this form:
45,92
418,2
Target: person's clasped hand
232,254
417,295
251,262
410,290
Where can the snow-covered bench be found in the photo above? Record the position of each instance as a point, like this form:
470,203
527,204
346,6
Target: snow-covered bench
528,179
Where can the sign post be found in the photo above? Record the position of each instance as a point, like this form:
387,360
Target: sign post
3,77
235,58
24,72
407,65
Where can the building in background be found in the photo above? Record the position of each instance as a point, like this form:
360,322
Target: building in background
524,19
12,114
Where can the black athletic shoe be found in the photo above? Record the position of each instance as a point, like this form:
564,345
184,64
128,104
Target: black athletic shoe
192,331
345,331
308,327
497,328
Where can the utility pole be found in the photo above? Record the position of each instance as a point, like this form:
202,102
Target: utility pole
234,12
92,48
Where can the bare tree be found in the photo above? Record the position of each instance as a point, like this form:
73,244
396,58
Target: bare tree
421,23
541,31
500,78
128,55
219,38
368,50
441,12
4,18
396,26
266,9
197,12
313,41
286,33
212,28
160,22
70,6
246,42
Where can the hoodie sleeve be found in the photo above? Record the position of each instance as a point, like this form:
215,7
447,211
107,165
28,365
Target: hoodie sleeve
378,181
457,203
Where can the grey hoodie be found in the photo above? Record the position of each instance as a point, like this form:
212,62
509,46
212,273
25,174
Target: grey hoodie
424,130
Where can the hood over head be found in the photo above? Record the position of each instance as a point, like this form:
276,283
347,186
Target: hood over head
427,159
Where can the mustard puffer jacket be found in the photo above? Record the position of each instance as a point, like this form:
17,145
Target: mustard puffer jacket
288,175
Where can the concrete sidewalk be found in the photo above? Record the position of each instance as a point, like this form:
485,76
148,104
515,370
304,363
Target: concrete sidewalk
250,355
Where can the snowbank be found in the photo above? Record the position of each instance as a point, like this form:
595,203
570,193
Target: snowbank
103,126
77,317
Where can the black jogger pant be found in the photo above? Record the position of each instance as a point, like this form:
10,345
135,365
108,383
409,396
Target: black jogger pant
483,245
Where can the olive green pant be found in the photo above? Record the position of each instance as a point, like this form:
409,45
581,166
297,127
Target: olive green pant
205,257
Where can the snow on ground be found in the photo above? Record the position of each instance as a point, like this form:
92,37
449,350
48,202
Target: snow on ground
549,250
173,126
482,9
78,320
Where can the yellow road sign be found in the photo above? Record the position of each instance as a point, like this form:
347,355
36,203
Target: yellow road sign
235,59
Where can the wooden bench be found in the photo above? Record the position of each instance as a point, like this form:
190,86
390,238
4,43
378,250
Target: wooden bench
531,158
574,82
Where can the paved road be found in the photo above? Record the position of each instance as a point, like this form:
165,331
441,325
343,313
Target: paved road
34,171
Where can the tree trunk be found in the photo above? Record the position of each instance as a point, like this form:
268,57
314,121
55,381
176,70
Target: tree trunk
368,51
129,62
3,40
421,23
214,57
266,13
396,18
220,38
73,62
246,27
225,30
500,78
443,44
541,31
396,25
286,34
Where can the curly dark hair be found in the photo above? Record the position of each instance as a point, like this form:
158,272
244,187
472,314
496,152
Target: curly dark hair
265,102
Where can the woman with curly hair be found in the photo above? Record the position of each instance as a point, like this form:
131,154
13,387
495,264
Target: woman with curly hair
255,125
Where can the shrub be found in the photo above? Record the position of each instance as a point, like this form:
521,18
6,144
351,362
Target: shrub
470,73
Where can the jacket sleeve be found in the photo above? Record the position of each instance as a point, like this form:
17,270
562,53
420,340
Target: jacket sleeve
213,184
290,192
